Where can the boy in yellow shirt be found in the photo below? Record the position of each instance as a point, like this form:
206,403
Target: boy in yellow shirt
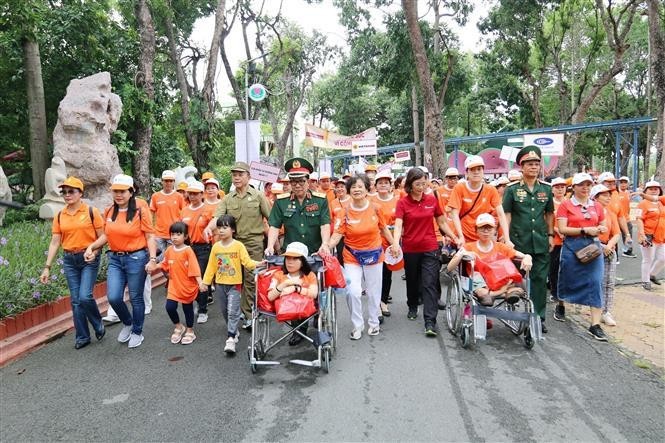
227,258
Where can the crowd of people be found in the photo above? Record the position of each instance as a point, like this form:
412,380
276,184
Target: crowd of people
567,233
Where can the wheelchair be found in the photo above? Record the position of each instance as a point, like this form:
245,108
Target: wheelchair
263,338
467,318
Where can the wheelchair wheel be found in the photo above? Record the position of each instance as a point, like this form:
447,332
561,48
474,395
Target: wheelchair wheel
466,335
326,359
528,339
454,304
252,366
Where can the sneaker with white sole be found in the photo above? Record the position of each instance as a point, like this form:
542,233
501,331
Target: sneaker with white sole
125,333
608,319
356,334
237,337
373,330
202,318
230,347
111,319
135,340
147,311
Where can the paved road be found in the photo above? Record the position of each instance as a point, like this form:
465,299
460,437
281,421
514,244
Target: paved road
397,386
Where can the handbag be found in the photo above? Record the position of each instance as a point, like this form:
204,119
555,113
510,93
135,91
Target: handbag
588,253
497,271
294,306
365,258
333,275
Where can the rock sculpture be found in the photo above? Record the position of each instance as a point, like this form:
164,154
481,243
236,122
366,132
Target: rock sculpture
5,193
87,117
53,201
184,174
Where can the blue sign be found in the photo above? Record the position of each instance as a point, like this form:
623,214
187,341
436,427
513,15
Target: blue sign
542,141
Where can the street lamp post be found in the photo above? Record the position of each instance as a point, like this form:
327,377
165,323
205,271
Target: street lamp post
248,64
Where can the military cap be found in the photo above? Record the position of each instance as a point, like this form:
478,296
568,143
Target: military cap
528,153
298,167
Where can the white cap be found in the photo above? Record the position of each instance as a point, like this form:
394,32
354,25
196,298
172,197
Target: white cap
606,177
485,219
277,188
598,189
122,182
384,174
296,249
514,174
651,184
503,180
168,175
324,175
195,187
494,183
623,178
424,169
450,172
581,177
558,181
314,176
212,181
474,160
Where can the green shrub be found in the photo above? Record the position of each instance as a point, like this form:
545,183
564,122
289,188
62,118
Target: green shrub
23,249
28,213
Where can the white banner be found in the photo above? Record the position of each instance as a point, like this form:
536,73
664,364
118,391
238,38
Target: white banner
323,138
402,156
264,172
325,165
549,144
248,140
509,153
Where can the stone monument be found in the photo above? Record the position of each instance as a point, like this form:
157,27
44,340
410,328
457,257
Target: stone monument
184,174
53,201
5,193
87,117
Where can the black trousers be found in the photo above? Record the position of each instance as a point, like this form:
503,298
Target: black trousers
386,283
422,278
555,258
202,252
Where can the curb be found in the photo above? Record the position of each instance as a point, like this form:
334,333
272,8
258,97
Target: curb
11,348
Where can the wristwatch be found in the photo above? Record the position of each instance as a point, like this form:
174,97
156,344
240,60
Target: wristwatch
581,231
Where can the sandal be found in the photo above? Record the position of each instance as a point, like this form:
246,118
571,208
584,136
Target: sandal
177,335
188,338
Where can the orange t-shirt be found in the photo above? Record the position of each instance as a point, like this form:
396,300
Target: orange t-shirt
616,206
387,210
196,221
183,268
337,210
462,199
624,200
76,230
497,248
558,238
612,225
652,215
166,208
126,237
361,230
306,281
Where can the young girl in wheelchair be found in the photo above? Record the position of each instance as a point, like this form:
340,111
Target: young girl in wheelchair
484,249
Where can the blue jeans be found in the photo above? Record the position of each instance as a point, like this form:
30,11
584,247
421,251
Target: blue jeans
229,302
128,270
81,277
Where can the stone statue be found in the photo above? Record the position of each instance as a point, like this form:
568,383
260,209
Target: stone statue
53,201
185,174
87,117
5,193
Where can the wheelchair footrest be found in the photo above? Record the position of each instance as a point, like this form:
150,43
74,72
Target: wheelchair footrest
265,363
311,364
480,326
535,325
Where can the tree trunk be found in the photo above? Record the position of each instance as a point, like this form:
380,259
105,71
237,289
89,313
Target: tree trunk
657,42
182,83
39,155
145,80
416,124
433,133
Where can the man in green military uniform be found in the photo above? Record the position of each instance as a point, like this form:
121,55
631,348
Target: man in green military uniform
529,209
249,207
304,214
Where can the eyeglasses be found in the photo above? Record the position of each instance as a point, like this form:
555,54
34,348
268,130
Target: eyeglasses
297,181
68,191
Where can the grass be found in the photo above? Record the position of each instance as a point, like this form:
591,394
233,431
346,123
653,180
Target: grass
643,364
23,249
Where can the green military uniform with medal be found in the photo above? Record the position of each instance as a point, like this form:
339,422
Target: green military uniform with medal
528,227
302,221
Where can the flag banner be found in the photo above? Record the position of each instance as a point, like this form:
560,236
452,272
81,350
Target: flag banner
264,172
248,140
323,138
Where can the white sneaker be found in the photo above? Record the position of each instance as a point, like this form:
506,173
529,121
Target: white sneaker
373,330
111,319
202,318
608,319
230,347
125,333
147,311
237,337
356,334
135,340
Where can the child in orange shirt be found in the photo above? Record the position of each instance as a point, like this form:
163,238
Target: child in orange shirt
182,268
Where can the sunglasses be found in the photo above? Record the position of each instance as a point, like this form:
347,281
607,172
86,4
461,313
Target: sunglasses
68,191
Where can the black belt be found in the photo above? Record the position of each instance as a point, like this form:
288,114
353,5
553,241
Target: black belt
74,251
126,252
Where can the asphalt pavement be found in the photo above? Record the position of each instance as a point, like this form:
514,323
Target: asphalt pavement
398,386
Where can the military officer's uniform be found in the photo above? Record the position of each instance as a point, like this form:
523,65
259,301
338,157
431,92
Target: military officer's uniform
528,228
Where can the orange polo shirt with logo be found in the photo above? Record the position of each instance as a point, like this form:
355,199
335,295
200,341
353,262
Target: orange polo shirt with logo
361,230
183,268
124,236
462,199
387,210
196,221
166,208
612,225
616,206
76,230
652,215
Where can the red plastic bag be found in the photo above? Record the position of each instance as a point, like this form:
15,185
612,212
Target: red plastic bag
294,306
497,271
334,276
263,281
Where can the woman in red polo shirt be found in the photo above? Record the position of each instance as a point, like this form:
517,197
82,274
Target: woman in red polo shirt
74,228
132,253
580,220
413,227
